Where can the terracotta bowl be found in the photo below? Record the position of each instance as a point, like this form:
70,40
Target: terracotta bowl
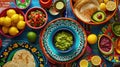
3,14
109,14
107,40
48,47
33,9
21,7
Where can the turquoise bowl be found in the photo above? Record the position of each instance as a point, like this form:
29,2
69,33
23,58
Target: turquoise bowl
66,30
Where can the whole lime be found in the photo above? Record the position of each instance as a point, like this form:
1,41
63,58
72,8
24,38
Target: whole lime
31,36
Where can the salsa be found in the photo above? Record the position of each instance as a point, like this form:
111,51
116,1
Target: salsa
63,40
36,18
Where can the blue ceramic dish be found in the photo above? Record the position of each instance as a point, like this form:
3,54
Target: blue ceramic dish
71,54
67,30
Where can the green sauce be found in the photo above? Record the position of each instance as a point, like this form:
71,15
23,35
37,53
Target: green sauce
117,29
63,40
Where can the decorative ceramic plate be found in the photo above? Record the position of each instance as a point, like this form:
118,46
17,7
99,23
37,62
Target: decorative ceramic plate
107,29
47,46
8,53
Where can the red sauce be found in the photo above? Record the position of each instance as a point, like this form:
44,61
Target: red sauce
105,43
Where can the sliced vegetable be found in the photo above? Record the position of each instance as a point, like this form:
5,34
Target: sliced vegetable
98,16
111,6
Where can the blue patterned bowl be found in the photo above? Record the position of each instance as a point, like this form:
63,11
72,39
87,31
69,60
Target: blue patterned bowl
66,30
58,56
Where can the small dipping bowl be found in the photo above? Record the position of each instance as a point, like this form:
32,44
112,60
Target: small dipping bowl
22,4
34,9
67,31
116,28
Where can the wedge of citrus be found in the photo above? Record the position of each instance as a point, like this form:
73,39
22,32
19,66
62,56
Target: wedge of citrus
84,63
96,60
110,5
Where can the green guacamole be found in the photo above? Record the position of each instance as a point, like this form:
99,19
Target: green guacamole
63,40
117,28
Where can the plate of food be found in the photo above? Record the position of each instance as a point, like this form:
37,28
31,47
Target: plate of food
94,12
21,53
109,42
63,40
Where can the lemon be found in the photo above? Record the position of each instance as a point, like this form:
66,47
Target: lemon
2,20
7,21
96,60
111,6
11,12
105,1
13,31
5,29
21,17
83,63
103,6
15,18
21,25
92,39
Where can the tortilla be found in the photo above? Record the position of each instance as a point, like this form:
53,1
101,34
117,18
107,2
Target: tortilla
22,58
85,8
10,64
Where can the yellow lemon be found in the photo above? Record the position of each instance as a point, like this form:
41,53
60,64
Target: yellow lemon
103,6
92,39
21,17
83,63
96,60
11,12
111,6
15,18
105,1
5,29
21,25
13,31
7,21
2,20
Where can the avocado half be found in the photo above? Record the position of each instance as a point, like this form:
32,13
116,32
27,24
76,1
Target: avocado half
98,16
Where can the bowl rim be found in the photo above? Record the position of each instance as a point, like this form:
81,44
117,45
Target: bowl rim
71,47
2,13
113,28
22,8
34,8
44,2
105,21
44,50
